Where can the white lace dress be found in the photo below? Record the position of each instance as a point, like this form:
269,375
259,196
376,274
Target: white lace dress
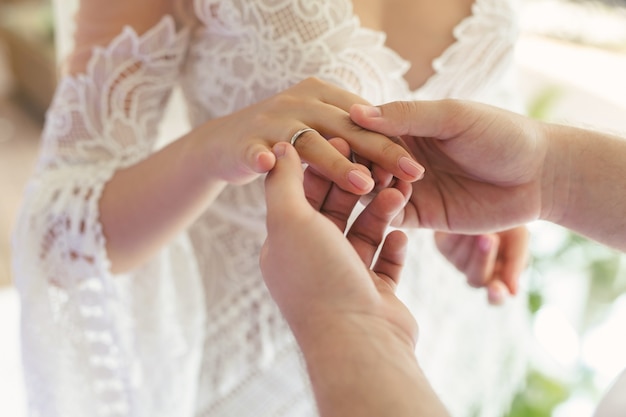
194,332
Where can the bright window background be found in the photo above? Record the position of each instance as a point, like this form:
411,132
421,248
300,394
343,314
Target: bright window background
572,63
572,68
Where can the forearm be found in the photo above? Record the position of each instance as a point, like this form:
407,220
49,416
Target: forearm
145,205
586,186
362,368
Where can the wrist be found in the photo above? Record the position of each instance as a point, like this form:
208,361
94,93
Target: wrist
359,365
202,157
588,168
330,334
556,176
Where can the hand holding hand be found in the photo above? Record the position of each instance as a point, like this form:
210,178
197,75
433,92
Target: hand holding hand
237,147
357,338
484,166
315,273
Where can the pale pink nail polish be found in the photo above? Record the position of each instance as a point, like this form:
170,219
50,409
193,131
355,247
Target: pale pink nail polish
279,150
360,180
485,243
411,168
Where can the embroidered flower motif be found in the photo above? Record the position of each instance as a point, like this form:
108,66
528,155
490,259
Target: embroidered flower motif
252,50
138,73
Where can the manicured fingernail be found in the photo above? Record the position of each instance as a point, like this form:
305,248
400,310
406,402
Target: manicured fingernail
369,111
279,149
485,243
360,180
411,168
496,294
496,298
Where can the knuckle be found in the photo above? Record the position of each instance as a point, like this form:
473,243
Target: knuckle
262,119
406,110
405,107
286,100
389,149
314,82
340,164
352,128
311,84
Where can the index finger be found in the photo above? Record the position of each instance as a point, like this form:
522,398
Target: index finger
441,119
328,113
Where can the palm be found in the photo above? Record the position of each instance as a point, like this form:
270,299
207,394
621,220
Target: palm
458,195
315,265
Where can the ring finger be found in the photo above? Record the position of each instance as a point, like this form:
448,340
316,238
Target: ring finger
315,150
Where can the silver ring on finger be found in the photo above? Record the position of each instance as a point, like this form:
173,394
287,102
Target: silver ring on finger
299,133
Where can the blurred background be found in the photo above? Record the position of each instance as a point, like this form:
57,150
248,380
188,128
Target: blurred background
571,61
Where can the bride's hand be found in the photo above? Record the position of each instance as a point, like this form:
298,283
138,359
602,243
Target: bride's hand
238,147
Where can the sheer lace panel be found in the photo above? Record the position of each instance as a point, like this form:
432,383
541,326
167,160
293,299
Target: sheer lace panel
146,344
248,51
99,122
113,110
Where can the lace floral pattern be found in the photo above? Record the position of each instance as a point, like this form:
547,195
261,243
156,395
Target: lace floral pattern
84,126
194,332
62,267
252,50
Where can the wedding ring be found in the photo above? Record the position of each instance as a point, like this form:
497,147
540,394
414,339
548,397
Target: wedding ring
299,133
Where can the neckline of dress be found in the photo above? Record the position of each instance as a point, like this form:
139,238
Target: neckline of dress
467,20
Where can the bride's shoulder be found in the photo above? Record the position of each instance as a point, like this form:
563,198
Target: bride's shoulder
83,25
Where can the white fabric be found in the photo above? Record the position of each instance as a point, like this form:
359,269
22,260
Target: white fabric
613,403
194,332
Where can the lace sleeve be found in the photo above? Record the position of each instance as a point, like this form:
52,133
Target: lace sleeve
100,121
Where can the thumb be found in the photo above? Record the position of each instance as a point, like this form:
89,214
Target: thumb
284,192
414,118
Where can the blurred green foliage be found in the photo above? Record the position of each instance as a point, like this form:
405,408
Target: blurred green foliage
605,271
540,396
